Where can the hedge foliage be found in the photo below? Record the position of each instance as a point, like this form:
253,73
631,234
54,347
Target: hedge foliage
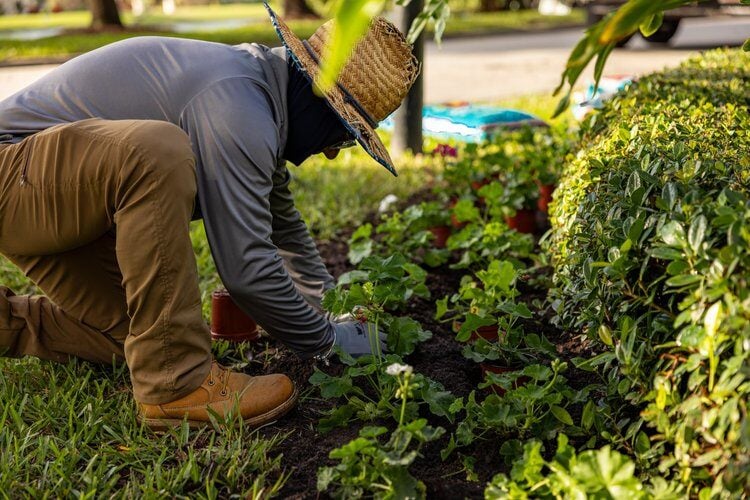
651,248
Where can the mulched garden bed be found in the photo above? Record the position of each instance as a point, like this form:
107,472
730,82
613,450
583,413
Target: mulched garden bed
305,449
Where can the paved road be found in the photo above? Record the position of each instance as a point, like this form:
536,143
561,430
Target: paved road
494,67
491,68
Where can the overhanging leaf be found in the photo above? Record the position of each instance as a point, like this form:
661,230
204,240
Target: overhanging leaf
652,24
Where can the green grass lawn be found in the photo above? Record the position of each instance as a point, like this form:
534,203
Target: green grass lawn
82,18
71,429
258,30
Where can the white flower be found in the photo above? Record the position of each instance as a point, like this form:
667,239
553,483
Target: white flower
398,368
387,203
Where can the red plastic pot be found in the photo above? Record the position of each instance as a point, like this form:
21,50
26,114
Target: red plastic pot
497,369
490,333
441,233
524,221
545,196
229,322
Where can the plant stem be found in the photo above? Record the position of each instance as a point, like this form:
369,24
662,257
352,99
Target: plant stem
403,409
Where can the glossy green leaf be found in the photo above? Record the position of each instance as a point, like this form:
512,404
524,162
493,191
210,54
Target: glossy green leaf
697,232
652,24
561,414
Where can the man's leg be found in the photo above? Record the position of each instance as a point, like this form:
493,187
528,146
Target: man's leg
84,312
69,185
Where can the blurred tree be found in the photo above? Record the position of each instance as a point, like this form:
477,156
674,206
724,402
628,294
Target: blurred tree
298,9
104,15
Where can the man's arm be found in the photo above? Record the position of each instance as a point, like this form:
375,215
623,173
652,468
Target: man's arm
235,137
296,246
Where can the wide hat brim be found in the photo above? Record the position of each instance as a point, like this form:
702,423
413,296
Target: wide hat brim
336,98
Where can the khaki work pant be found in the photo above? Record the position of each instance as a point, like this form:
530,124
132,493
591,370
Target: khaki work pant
97,214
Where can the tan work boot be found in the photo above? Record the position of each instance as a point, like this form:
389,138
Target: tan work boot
261,400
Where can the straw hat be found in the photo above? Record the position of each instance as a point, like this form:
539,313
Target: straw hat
377,77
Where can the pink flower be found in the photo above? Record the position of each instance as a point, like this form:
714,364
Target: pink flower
445,150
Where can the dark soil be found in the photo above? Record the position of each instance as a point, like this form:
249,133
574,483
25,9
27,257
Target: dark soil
305,449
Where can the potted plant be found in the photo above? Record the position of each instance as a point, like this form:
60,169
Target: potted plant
482,242
498,359
484,309
512,199
420,231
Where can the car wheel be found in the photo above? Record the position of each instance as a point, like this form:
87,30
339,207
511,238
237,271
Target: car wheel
665,32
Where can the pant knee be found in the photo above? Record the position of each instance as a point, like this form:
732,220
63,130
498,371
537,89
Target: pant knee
165,153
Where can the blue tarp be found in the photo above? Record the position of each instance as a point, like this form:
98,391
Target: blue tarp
470,122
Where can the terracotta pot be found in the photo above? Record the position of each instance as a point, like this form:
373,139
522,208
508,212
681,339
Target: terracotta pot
490,333
524,221
454,221
441,233
545,196
498,369
229,322
477,185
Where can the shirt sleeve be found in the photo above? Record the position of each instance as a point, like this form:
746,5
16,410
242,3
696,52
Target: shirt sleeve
292,237
235,138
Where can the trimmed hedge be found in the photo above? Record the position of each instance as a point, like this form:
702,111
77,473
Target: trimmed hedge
651,248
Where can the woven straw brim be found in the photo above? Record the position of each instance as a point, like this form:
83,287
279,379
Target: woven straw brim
350,117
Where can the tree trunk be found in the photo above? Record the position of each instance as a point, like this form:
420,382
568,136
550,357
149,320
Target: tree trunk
104,15
490,5
407,132
298,9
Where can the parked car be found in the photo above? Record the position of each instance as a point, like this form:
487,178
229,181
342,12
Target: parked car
597,9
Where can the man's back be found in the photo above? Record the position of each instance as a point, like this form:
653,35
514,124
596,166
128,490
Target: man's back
140,78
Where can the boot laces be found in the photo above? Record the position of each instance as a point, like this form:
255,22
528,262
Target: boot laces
223,378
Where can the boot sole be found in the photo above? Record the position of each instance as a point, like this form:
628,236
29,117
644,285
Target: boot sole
163,424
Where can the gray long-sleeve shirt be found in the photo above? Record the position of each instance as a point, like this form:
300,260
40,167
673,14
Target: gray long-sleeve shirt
231,101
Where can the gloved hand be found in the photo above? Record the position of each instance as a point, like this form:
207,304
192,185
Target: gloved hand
359,339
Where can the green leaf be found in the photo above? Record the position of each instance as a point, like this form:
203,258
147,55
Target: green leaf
605,334
438,399
351,449
713,319
642,443
331,387
465,211
607,470
652,24
673,234
337,418
441,308
697,232
561,414
665,253
471,323
355,276
589,412
677,267
404,334
684,280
